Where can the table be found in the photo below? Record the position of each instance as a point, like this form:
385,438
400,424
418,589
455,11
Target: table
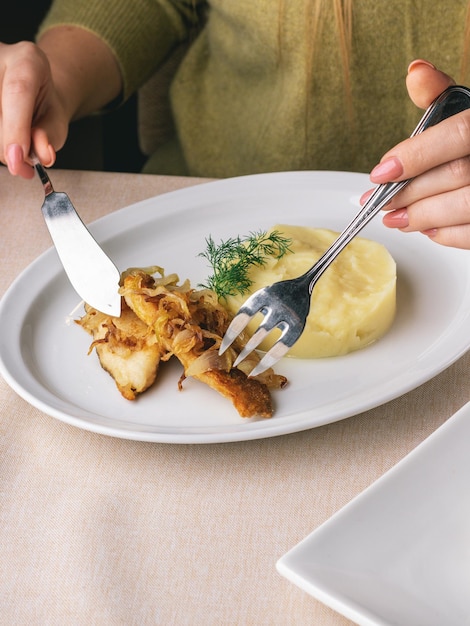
104,531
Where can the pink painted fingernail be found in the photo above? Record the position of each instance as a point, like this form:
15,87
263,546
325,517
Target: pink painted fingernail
365,196
420,63
396,219
51,156
387,170
430,232
13,156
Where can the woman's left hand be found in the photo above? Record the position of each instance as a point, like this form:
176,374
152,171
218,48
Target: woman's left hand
437,200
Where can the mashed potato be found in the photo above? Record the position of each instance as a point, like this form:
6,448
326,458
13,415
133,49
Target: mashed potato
353,303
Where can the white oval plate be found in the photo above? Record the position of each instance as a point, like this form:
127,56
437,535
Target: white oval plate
44,358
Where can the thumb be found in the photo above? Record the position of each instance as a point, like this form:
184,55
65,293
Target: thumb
425,82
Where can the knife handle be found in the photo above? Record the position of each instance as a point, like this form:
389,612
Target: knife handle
45,180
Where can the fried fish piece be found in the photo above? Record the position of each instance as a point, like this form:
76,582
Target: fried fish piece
190,324
126,347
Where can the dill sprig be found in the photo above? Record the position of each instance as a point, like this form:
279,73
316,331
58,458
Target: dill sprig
231,260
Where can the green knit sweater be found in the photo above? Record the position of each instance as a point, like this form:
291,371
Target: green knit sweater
254,93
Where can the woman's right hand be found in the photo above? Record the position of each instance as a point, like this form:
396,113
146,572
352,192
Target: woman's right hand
31,114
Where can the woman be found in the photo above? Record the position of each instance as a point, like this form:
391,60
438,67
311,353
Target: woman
269,85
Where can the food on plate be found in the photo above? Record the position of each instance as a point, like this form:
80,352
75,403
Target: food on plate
232,259
162,318
126,347
353,305
354,302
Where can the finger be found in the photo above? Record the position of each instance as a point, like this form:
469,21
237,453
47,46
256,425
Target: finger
17,165
20,89
452,175
419,154
42,147
446,209
453,236
425,82
366,195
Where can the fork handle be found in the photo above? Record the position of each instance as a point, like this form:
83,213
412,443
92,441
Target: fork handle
453,100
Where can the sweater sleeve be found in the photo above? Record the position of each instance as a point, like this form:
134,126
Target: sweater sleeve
141,33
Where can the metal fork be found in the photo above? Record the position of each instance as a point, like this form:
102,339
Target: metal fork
286,304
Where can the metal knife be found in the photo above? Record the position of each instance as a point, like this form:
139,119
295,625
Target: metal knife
91,272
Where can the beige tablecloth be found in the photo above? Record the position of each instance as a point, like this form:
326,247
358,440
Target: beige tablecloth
102,531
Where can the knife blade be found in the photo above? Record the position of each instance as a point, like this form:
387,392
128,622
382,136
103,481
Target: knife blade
91,272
